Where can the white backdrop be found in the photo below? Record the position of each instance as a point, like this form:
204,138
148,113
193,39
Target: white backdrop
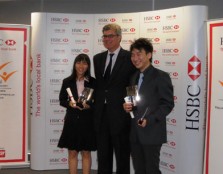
14,75
179,40
214,142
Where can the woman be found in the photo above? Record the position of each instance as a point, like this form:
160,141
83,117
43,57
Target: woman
78,132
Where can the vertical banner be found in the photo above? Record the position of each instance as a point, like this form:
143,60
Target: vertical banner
14,87
179,40
56,41
214,142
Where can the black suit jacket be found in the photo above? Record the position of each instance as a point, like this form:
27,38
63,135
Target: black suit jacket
114,91
156,93
64,99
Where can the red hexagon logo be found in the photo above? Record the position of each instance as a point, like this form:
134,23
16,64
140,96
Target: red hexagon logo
194,68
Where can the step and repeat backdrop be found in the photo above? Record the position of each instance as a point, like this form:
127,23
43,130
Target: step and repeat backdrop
179,39
14,93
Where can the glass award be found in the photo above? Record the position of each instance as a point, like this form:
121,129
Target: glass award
85,96
132,95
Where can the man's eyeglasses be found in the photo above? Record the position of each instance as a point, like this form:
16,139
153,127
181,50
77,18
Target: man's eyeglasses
110,36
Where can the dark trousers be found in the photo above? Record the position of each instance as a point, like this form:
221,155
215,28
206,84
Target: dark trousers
107,145
145,158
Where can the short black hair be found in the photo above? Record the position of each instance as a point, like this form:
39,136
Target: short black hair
142,43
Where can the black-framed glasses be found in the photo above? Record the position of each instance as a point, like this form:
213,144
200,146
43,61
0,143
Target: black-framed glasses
109,36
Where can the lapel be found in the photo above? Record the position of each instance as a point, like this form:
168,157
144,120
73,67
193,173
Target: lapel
73,87
103,62
149,77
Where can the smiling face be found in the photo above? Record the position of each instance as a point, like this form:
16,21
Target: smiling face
141,59
81,68
111,40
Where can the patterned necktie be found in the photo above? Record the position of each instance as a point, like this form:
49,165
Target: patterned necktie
141,75
108,69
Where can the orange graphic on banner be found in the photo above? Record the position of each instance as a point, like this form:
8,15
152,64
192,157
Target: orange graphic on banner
5,76
221,82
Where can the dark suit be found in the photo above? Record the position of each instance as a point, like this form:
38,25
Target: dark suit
111,121
156,93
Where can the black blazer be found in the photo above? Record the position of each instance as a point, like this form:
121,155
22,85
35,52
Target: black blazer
114,91
64,99
156,93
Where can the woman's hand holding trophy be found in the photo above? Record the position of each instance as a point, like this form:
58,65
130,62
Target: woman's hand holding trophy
81,103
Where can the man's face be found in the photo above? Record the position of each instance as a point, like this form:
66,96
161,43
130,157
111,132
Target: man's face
111,40
140,59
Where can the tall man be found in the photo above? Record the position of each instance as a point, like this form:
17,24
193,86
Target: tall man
148,128
112,71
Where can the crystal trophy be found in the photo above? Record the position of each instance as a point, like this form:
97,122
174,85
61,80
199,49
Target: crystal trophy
85,96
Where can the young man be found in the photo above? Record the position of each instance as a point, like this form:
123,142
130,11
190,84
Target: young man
148,128
112,123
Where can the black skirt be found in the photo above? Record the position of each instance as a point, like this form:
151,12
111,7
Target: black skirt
78,132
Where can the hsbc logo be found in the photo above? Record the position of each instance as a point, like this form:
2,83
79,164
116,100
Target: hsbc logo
80,31
2,153
171,17
54,101
128,30
171,28
173,75
171,121
78,51
171,40
81,21
55,81
127,20
59,61
55,121
155,40
54,141
170,51
151,18
171,144
156,62
86,51
167,165
10,42
56,20
151,30
194,68
112,20
59,40
65,20
106,20
64,160
86,30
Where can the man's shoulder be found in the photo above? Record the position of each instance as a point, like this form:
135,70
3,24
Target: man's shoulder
100,54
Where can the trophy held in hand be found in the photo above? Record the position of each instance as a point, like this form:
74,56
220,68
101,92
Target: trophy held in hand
85,96
132,97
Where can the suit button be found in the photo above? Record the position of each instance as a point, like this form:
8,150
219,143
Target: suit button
106,91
